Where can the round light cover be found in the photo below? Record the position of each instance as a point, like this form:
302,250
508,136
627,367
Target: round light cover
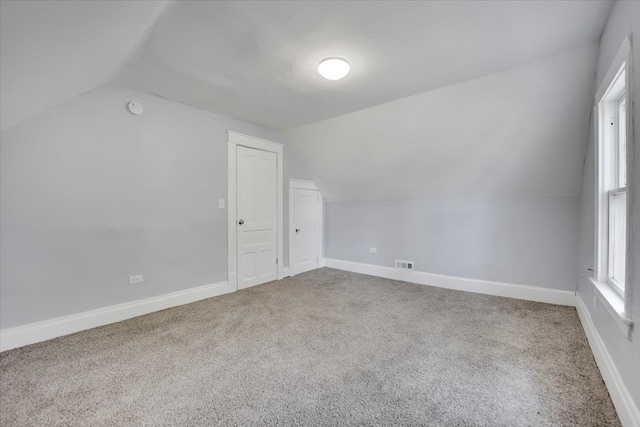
333,68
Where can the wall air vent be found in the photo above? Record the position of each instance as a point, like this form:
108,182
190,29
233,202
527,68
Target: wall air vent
404,265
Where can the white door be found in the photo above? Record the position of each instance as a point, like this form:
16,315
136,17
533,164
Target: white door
256,221
305,230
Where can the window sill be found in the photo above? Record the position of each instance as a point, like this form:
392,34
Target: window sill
614,305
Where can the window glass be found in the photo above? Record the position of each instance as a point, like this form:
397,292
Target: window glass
622,142
618,236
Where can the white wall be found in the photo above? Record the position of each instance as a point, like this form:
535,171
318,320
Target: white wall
624,19
527,240
91,194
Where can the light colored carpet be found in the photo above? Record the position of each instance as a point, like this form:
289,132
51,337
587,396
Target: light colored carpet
324,348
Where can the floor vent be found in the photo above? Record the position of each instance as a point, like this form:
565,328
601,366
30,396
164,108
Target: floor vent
404,265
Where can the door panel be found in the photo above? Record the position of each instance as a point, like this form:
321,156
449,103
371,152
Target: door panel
256,221
305,239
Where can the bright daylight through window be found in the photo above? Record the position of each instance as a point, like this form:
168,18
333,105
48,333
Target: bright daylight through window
612,115
612,172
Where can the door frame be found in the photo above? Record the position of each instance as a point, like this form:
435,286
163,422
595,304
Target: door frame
302,184
235,139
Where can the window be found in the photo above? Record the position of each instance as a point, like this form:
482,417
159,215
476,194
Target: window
613,129
613,178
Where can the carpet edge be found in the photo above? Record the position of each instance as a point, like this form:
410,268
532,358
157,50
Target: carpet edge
627,410
501,289
32,333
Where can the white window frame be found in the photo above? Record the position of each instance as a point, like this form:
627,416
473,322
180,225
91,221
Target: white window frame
615,297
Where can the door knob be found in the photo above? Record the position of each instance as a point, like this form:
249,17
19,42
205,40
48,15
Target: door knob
297,230
241,222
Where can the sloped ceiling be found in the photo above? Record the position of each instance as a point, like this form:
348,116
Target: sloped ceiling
518,132
440,99
51,51
257,60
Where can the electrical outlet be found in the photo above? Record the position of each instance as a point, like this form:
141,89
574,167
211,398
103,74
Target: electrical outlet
134,280
373,250
221,203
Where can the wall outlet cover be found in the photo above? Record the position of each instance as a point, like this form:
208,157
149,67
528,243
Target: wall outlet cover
134,280
373,250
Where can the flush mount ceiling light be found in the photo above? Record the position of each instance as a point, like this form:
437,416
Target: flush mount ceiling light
333,68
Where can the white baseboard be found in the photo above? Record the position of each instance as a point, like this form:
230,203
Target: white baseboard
41,331
286,272
627,410
530,293
322,262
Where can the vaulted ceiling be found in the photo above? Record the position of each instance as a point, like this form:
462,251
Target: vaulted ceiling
518,132
256,60
471,88
52,51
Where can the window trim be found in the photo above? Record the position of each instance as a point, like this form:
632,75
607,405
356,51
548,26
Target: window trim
617,304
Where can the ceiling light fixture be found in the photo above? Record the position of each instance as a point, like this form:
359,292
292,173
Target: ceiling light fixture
333,68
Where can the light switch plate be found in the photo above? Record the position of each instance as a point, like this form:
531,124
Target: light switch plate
221,203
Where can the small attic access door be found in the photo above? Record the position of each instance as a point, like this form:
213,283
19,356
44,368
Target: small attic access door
254,217
305,219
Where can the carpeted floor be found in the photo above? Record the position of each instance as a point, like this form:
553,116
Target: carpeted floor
324,348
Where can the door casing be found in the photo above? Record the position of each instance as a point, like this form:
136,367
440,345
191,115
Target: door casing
235,139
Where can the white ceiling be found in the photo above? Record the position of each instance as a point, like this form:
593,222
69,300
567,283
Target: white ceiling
51,51
256,60
518,132
444,97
